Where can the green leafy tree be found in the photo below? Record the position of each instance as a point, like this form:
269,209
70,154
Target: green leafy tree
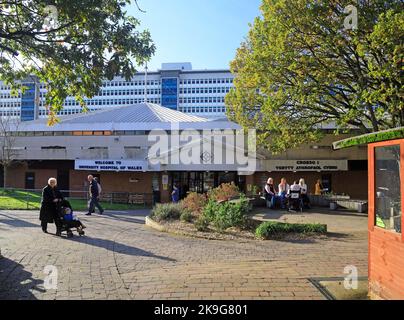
69,45
301,68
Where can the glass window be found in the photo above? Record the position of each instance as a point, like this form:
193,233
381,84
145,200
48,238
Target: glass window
387,188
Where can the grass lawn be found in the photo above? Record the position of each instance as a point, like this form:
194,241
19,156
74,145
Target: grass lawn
23,200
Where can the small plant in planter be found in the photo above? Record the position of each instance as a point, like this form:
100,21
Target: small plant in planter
225,215
202,224
187,216
194,203
224,192
167,211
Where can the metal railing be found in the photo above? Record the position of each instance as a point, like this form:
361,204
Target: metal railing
32,197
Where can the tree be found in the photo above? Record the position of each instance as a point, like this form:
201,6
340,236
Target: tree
300,69
8,151
69,45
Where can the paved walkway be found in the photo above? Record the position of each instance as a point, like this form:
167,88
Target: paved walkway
121,258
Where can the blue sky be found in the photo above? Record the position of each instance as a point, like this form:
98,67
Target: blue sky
203,32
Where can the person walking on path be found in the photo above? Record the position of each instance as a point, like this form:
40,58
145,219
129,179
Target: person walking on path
51,196
94,196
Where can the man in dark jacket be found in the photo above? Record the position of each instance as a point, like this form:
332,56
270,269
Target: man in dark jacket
51,196
94,196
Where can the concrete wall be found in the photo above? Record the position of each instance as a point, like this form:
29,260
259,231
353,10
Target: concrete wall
77,147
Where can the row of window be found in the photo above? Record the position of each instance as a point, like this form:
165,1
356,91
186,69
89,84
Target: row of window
122,92
10,104
149,83
91,133
122,83
206,81
204,90
107,102
202,100
203,109
10,113
130,83
7,95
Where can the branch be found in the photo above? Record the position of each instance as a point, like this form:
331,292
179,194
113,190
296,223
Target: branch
138,7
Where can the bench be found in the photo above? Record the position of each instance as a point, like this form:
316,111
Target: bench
137,199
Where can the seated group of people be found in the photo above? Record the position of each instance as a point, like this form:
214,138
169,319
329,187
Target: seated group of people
282,195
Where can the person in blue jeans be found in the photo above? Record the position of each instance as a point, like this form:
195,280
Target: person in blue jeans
283,190
94,196
270,193
175,195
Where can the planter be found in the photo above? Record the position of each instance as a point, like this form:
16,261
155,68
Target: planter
257,201
333,205
325,200
360,206
319,201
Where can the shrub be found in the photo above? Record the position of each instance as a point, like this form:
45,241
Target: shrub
194,203
167,211
224,192
227,214
270,228
186,216
202,224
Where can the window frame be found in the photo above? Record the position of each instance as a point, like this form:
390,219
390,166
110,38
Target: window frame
372,188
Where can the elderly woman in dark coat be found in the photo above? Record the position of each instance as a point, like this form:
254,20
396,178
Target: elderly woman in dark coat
50,198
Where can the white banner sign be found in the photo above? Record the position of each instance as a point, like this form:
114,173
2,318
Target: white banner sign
110,165
307,165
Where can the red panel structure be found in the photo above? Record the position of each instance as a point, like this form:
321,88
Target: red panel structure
386,238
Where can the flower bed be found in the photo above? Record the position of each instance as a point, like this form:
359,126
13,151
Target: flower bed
214,217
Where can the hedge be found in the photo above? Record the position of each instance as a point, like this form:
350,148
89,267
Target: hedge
270,228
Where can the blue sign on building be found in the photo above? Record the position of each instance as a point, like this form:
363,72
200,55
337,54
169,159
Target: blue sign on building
28,102
169,93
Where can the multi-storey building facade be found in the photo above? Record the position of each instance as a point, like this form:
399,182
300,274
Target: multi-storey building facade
176,86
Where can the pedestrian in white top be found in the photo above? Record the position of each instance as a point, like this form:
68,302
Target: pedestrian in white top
295,187
304,191
283,190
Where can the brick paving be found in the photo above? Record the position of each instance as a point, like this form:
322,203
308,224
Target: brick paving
121,258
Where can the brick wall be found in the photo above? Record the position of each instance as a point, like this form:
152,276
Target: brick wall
114,181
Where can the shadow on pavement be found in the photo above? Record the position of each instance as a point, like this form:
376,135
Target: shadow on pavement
121,217
15,222
119,248
17,283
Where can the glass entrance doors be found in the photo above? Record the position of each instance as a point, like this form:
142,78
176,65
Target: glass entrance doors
202,181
